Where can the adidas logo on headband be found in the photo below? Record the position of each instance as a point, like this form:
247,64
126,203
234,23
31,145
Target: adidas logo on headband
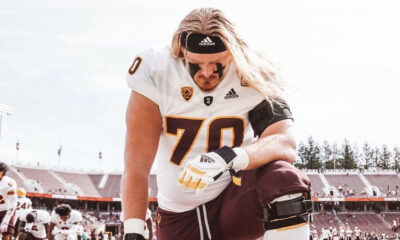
202,43
207,42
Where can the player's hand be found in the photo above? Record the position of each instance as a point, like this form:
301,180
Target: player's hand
3,227
197,173
133,236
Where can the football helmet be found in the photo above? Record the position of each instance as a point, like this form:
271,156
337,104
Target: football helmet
21,192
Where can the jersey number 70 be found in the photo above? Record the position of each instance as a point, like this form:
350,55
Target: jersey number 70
188,129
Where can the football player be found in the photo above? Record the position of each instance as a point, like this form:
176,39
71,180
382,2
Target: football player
23,203
34,224
213,114
8,202
65,223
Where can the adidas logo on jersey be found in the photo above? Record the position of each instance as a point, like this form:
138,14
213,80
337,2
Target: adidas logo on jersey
207,42
231,94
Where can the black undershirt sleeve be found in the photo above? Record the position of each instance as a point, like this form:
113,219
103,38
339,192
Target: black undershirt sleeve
262,115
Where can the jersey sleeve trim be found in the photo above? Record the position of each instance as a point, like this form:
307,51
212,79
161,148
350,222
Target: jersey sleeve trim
140,79
263,116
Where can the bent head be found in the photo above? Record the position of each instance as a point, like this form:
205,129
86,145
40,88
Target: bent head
253,69
30,217
21,193
204,40
3,169
63,210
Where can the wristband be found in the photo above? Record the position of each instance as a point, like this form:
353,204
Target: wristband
133,236
241,161
134,225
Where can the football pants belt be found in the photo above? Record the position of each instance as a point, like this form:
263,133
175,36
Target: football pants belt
287,213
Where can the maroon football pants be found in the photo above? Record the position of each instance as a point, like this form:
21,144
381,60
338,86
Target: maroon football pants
237,213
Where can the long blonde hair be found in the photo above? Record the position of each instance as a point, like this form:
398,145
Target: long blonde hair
255,70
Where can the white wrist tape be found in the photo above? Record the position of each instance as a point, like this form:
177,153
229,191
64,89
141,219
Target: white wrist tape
134,225
241,161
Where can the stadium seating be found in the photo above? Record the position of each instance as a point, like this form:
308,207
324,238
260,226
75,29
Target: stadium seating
112,186
385,182
325,220
49,183
317,185
83,181
351,182
370,222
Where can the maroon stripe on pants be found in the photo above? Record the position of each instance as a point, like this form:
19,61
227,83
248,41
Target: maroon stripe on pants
185,225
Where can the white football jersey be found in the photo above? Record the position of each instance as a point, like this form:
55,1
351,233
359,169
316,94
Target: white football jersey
325,233
72,222
7,186
23,203
194,121
37,227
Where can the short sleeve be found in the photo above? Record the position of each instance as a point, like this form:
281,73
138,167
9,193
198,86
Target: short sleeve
54,217
77,217
139,77
44,217
12,186
263,115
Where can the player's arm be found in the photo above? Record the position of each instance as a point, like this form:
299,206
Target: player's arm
11,202
277,142
144,126
47,228
76,224
50,230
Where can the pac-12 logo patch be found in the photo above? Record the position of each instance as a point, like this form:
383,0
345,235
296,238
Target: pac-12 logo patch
187,93
208,100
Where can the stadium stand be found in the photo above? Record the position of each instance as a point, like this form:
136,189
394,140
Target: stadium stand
83,181
370,222
317,185
390,217
325,220
48,182
347,184
112,186
17,177
96,178
388,184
